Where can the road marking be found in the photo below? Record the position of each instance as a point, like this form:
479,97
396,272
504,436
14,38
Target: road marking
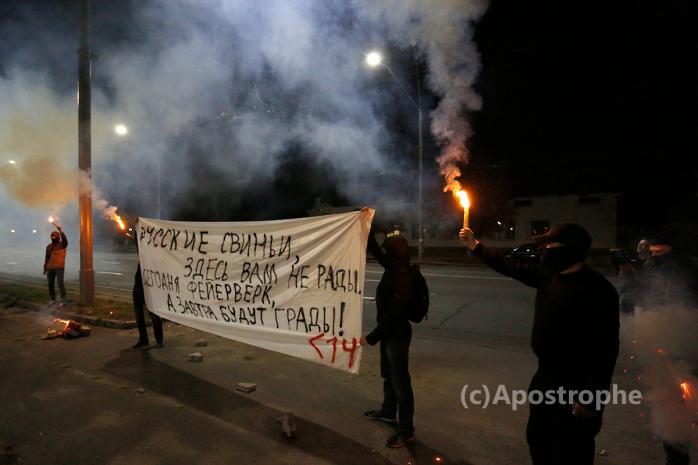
373,280
11,263
494,278
369,298
109,272
112,263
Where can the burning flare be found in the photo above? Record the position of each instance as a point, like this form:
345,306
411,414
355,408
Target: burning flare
65,322
685,390
51,219
119,221
462,196
109,212
463,199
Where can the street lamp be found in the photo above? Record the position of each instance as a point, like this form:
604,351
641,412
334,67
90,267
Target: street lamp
12,162
374,59
121,130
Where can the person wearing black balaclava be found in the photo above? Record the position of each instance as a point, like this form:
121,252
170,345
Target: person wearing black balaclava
575,338
394,333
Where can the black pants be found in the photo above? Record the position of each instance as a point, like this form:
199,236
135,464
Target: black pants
53,275
139,310
556,437
397,385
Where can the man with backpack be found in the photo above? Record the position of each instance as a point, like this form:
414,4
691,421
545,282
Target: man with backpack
401,296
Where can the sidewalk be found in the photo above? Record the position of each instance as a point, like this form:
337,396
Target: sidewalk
76,402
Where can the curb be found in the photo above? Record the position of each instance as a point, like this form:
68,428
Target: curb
94,321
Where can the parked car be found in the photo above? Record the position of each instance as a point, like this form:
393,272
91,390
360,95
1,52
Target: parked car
526,253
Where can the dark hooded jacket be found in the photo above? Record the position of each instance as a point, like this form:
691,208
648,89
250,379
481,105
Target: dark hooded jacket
393,291
575,327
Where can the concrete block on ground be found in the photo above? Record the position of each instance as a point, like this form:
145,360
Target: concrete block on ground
246,387
196,357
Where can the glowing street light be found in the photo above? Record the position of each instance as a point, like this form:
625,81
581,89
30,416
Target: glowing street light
12,162
34,231
373,59
120,130
12,231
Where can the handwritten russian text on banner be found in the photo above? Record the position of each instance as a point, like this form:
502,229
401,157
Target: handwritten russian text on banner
291,286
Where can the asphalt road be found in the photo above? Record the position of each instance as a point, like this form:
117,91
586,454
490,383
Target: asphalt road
477,334
466,302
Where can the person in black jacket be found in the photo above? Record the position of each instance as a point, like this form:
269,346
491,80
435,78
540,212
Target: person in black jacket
139,310
394,333
575,338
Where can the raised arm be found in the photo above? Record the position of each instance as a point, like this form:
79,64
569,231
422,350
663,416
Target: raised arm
527,273
375,249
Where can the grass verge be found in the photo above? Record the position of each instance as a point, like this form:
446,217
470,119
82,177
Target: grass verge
102,308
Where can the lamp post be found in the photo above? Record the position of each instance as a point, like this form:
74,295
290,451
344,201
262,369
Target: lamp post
87,273
374,59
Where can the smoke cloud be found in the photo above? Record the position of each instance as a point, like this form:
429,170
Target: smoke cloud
443,32
226,87
664,347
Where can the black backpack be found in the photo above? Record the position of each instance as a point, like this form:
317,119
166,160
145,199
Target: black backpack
419,304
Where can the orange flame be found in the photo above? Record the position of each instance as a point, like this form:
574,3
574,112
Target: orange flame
685,390
119,221
461,195
65,322
463,199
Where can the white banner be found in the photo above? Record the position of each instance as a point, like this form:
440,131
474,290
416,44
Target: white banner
291,286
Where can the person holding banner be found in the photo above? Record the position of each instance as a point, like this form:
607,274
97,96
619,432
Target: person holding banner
139,310
394,332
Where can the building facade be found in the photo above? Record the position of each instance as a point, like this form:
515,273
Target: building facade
597,213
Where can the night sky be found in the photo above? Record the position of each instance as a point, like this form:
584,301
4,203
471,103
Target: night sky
592,96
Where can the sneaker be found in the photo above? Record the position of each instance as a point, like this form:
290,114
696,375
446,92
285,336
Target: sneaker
51,303
140,344
159,345
379,415
399,440
61,304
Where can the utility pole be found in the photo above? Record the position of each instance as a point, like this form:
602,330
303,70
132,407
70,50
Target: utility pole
87,272
420,168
